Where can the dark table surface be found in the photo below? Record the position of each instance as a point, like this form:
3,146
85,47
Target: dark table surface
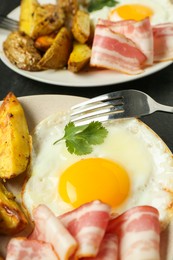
158,85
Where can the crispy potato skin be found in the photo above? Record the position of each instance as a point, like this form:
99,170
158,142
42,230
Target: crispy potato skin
57,55
81,26
21,51
69,8
27,8
12,218
43,43
46,20
38,20
79,57
14,138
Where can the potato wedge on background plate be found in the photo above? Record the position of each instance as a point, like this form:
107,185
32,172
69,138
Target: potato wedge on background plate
57,55
79,57
81,26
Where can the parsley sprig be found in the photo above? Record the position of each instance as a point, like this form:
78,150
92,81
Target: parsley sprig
95,5
80,139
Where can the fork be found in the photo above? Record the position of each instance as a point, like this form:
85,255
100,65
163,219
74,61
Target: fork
116,105
8,23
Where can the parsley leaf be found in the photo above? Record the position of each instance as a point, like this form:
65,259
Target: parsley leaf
80,139
99,4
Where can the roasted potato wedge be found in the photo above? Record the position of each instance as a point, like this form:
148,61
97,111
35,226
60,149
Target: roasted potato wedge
12,218
46,19
14,138
57,55
21,51
79,57
70,8
37,20
81,26
43,43
26,21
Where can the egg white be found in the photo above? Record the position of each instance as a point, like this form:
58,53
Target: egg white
130,143
162,9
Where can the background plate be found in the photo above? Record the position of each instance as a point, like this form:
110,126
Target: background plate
92,78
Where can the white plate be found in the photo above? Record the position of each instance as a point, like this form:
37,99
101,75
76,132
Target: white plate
66,78
39,107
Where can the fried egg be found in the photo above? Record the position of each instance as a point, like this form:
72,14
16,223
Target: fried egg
131,167
159,11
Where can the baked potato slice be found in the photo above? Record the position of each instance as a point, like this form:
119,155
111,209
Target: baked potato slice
14,138
79,57
43,43
26,21
81,26
21,51
47,19
37,20
12,218
69,7
56,57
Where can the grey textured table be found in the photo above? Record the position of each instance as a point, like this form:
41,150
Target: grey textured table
159,85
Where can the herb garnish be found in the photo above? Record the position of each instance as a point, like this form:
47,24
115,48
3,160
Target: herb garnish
79,139
99,4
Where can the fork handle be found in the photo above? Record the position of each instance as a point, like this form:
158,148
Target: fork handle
164,108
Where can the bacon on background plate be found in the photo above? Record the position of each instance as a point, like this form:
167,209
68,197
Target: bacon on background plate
128,46
114,51
163,42
140,32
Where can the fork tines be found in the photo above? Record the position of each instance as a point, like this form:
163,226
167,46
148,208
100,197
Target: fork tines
119,104
102,108
8,23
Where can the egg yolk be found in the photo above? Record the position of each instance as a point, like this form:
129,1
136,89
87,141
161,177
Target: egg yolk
134,11
94,179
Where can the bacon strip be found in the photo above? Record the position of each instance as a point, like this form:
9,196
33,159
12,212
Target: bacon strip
114,51
138,230
48,228
140,32
22,248
108,249
132,235
88,224
163,42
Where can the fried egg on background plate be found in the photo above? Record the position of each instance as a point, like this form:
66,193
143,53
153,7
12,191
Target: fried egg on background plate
132,167
159,11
